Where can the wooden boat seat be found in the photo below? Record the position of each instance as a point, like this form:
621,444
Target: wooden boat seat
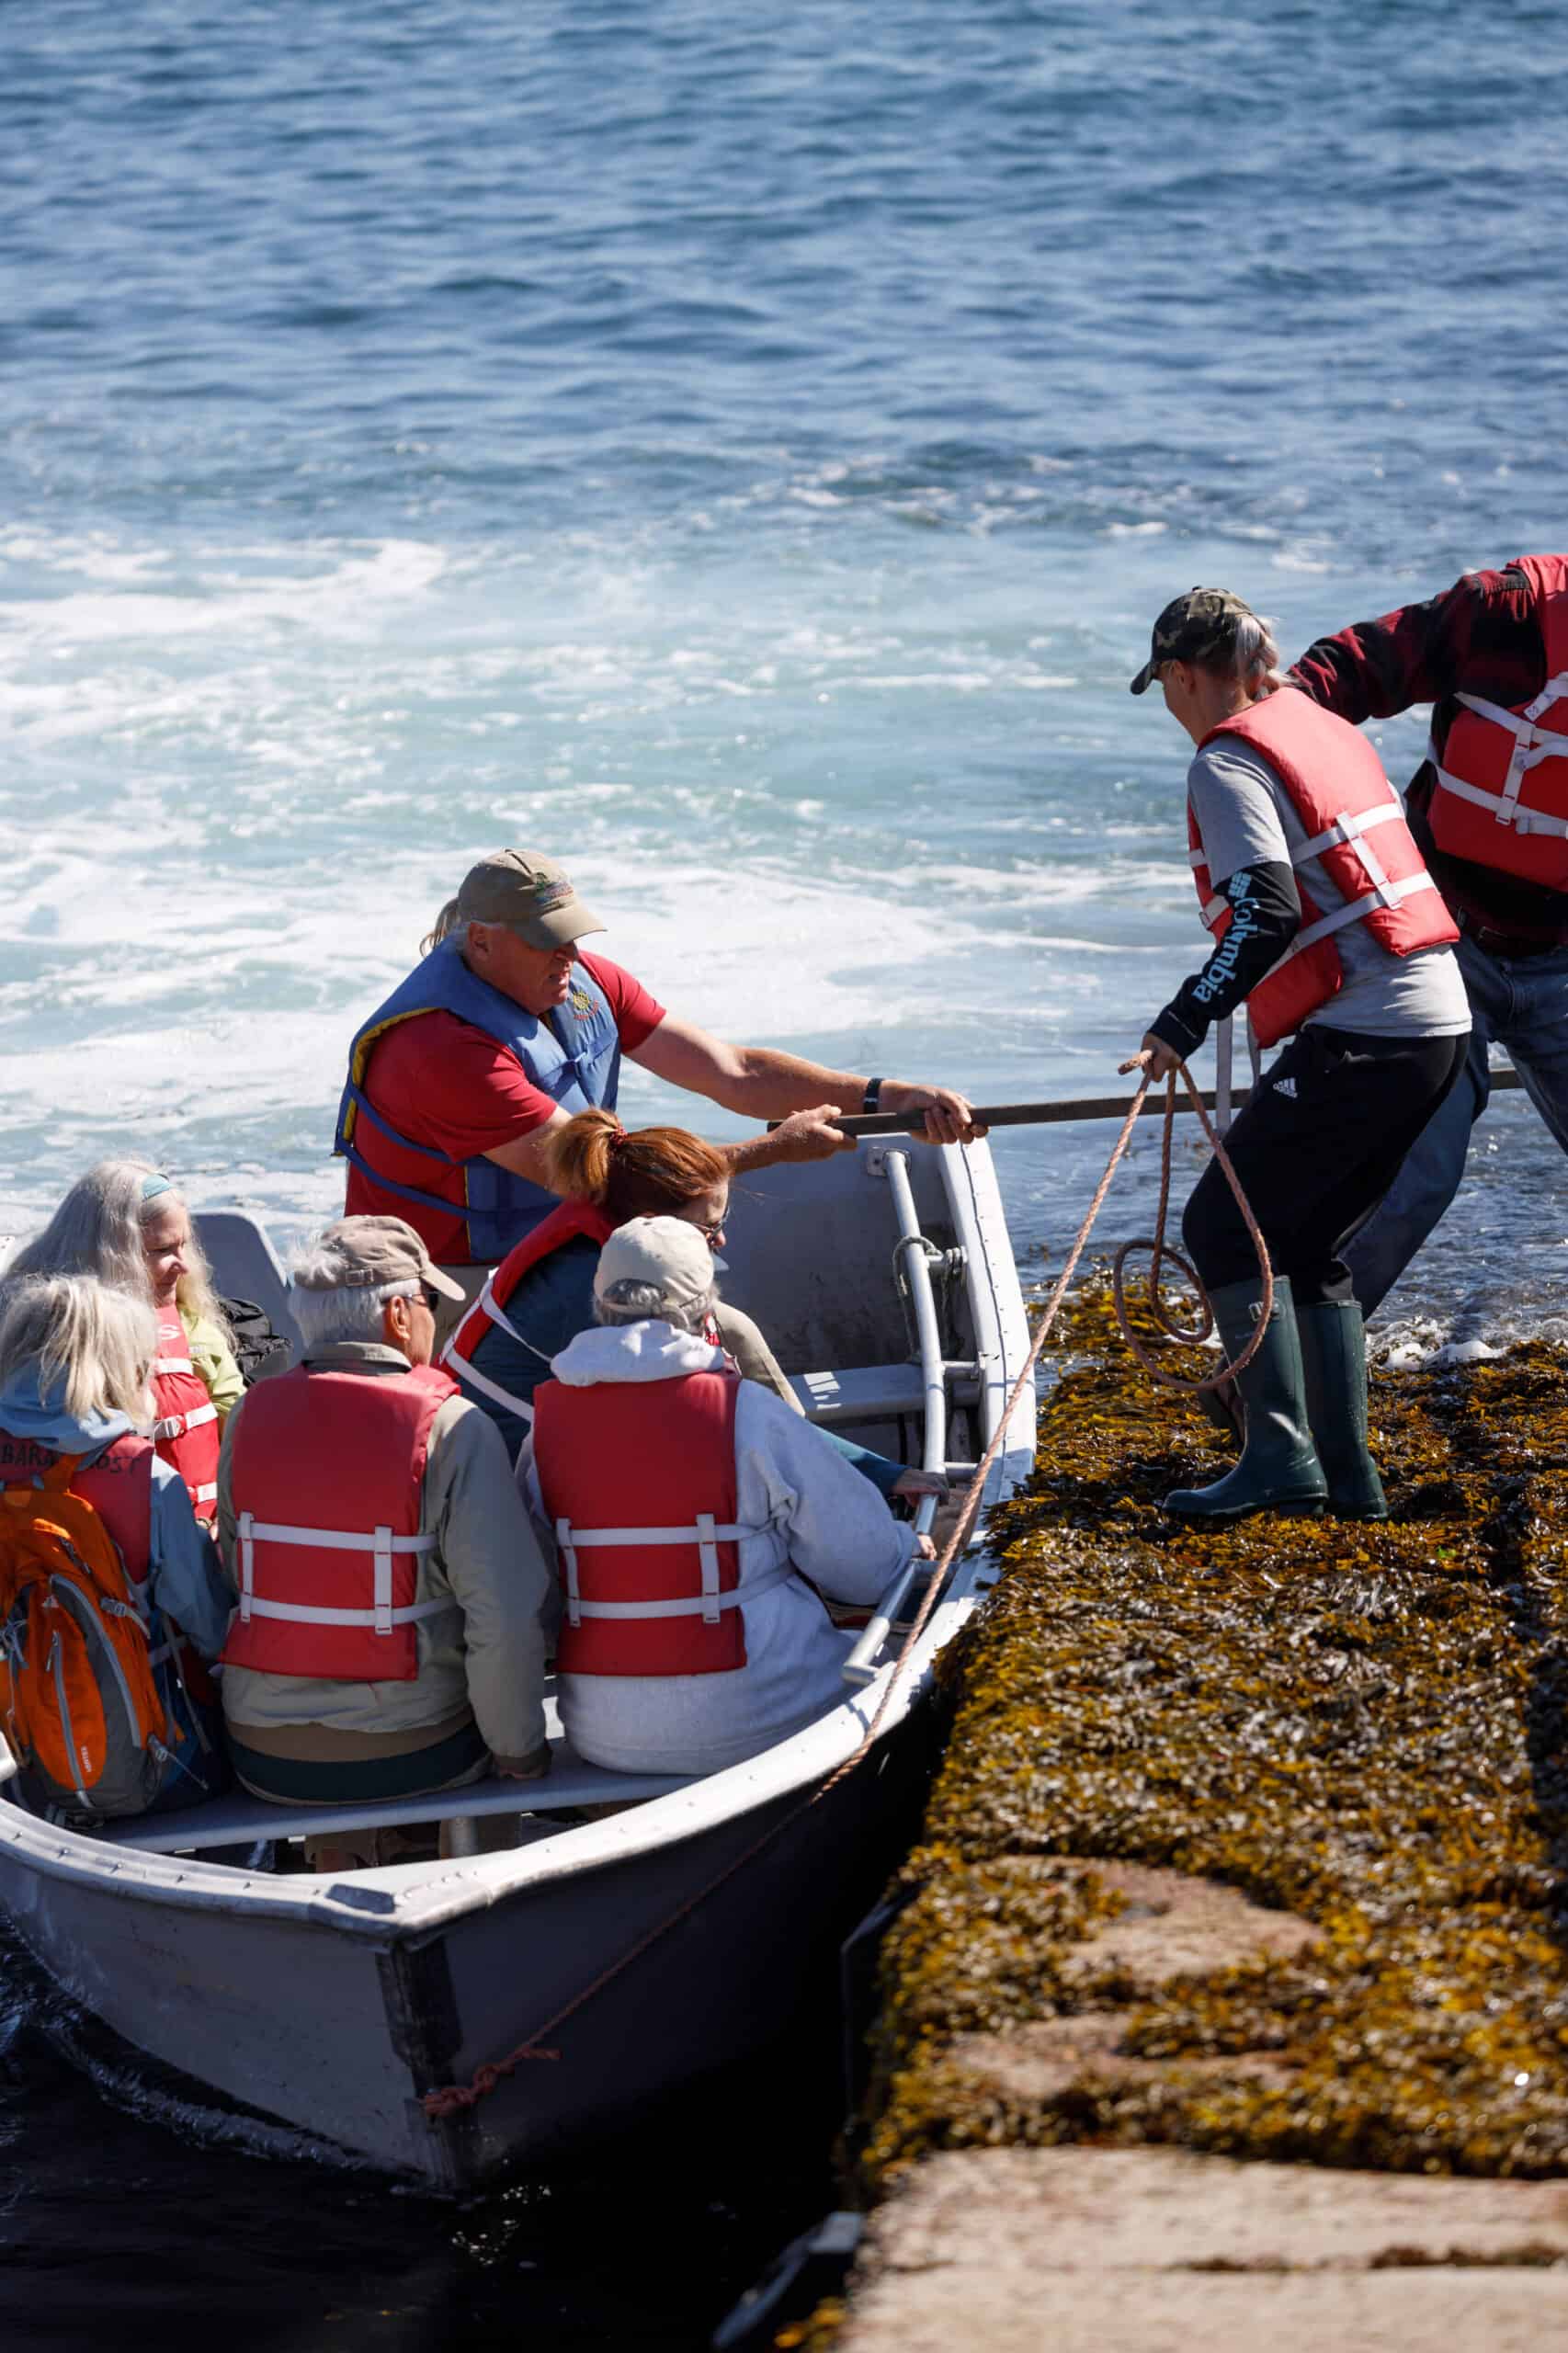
238,1818
876,1392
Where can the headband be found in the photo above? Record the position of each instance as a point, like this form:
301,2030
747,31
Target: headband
152,1186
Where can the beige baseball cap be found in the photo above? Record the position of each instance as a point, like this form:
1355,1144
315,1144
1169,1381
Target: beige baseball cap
662,1251
532,895
371,1253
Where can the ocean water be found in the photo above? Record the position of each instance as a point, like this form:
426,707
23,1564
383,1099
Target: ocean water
742,453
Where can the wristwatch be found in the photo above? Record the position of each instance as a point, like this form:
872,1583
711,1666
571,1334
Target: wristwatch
873,1095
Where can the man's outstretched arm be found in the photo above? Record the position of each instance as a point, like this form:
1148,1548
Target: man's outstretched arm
760,1083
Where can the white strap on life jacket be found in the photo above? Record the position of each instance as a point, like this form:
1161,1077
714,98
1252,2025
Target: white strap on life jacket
705,1533
469,1372
176,1424
170,1364
1530,747
1387,895
379,1542
464,1369
1521,723
207,1493
1350,829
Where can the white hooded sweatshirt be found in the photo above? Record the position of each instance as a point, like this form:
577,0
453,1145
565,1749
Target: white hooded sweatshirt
813,1508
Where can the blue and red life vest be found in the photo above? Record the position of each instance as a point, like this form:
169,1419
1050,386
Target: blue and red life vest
572,1054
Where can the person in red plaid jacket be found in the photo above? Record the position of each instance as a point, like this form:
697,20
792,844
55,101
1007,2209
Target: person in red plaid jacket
1489,808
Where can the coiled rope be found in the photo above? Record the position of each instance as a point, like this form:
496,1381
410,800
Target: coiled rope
1162,1255
451,2099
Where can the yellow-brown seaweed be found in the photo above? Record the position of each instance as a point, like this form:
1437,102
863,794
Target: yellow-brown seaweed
1362,1724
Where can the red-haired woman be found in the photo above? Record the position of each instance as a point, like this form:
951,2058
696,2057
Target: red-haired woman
541,1294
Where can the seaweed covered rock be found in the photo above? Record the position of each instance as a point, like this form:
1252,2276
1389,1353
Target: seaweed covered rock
1365,1728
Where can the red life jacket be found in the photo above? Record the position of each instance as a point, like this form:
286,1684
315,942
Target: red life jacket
326,1477
661,1596
488,1310
1355,825
1501,795
186,1432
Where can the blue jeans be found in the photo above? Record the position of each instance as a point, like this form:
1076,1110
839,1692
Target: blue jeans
1522,1002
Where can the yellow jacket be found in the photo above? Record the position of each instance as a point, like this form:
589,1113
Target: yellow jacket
214,1360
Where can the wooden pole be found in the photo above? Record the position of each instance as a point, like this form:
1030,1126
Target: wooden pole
1053,1115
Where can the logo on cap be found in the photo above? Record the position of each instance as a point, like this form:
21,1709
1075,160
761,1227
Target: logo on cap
549,892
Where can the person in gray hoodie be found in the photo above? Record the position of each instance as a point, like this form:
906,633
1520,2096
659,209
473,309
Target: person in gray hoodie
75,1356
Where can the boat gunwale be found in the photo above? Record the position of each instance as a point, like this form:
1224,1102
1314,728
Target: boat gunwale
413,1900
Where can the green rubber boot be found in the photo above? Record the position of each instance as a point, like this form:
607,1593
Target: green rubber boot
1333,1360
1278,1470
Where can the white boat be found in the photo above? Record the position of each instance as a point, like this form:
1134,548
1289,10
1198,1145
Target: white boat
885,1282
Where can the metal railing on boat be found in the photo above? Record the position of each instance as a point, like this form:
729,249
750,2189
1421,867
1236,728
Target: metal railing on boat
913,1255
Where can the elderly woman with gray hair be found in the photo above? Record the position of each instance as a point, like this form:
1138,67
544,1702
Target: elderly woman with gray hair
127,1224
75,1355
689,1508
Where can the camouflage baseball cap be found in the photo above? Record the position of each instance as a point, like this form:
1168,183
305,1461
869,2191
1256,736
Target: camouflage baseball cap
530,893
1203,621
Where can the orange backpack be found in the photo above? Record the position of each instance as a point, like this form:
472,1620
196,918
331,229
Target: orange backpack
78,1703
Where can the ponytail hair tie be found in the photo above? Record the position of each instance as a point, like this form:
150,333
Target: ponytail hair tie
618,1139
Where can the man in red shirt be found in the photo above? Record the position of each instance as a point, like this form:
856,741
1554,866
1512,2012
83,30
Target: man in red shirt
508,1028
1489,808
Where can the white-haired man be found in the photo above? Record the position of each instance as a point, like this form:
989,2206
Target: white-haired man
388,1637
689,1508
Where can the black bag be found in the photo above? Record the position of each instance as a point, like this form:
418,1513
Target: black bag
259,1350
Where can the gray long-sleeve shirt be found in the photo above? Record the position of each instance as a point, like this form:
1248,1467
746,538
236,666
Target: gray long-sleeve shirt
484,1654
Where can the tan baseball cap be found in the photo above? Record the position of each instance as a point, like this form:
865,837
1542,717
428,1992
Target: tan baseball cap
531,893
371,1253
662,1251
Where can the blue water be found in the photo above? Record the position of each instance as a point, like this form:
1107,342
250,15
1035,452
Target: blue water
741,452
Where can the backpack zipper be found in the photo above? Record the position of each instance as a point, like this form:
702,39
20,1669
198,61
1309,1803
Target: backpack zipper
90,1635
168,1652
57,1670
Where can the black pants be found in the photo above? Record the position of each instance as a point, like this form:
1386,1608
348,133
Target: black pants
1317,1148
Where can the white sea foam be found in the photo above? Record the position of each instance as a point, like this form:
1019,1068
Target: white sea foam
343,599
819,807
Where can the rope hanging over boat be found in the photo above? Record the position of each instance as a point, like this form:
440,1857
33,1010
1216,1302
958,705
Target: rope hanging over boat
451,2099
